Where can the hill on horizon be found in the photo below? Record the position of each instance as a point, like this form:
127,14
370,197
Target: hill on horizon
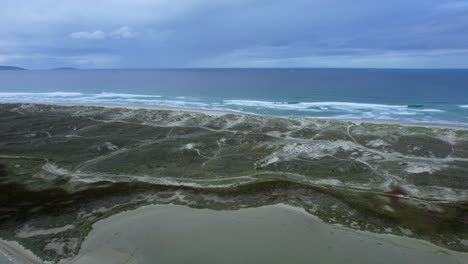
4,67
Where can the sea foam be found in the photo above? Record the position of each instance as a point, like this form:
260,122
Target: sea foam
327,109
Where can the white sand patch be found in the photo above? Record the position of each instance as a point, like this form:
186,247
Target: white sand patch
317,149
72,136
29,231
377,143
313,150
388,208
59,245
52,168
100,210
333,182
450,137
267,161
406,231
56,246
188,146
27,107
110,146
231,123
417,168
107,146
274,133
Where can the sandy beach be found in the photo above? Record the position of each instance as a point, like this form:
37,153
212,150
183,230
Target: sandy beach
217,113
15,253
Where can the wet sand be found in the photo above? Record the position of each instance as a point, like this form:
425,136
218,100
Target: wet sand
269,234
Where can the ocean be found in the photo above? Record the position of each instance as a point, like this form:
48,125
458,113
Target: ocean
407,96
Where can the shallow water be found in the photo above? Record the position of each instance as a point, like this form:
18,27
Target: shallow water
4,259
269,234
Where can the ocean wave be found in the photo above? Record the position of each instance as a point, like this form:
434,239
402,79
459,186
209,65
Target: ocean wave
429,110
331,109
332,106
123,95
318,105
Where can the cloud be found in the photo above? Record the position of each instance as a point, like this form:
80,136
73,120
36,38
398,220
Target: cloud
304,33
98,34
120,33
287,57
123,32
105,12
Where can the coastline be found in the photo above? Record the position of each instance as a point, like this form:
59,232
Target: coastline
404,247
218,113
18,253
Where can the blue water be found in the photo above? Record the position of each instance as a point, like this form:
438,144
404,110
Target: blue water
5,260
421,96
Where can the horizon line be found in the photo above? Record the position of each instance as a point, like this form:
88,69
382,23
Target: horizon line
226,68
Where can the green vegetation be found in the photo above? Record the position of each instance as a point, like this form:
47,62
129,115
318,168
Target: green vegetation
64,168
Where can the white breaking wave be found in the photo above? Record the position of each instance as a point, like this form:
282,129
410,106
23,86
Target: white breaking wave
310,104
71,97
464,106
120,99
332,109
330,106
124,95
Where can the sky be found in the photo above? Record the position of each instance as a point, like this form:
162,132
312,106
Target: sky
43,34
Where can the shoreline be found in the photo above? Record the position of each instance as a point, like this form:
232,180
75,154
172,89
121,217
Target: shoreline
19,254
219,113
399,245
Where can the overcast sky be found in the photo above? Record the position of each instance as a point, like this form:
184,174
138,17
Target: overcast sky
42,34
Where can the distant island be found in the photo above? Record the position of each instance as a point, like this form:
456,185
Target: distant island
11,68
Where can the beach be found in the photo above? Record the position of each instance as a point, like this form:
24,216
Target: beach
219,112
16,254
